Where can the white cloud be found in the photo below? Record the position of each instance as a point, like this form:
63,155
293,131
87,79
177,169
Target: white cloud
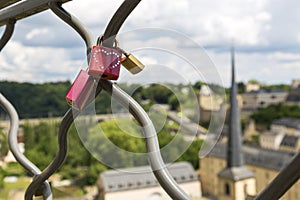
37,32
266,33
36,64
273,67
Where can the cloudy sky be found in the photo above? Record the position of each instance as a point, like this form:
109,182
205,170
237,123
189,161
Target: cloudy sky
266,35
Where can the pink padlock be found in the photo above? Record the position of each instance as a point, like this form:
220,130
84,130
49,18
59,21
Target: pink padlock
80,93
105,62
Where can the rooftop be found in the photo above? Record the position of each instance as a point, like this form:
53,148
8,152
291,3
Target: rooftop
266,92
290,141
142,177
288,122
257,156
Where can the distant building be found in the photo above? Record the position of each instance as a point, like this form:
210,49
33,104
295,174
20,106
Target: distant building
139,183
271,140
250,87
295,83
262,98
264,163
288,125
290,143
235,172
294,95
231,179
209,103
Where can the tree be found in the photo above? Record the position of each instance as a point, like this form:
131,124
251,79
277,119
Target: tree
37,100
3,144
265,116
40,143
157,93
2,173
173,102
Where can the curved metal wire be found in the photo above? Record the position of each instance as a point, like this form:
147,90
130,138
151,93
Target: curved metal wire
117,21
60,156
9,30
13,146
283,181
70,114
155,158
75,23
157,164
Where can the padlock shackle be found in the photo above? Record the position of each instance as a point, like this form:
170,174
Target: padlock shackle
100,41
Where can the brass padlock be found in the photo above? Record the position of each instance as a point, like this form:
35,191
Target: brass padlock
131,63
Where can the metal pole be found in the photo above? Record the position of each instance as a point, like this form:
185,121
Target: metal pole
24,9
155,159
13,146
283,181
75,24
157,164
9,29
70,114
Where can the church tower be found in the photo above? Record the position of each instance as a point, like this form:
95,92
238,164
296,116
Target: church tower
236,182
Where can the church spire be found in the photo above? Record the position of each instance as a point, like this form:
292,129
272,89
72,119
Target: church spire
234,146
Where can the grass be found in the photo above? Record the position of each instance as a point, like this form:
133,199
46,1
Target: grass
22,183
69,191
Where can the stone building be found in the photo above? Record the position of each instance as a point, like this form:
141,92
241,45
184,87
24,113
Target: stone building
139,183
271,140
288,125
290,143
236,172
264,163
262,98
294,94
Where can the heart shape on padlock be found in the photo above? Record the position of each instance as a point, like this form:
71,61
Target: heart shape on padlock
105,63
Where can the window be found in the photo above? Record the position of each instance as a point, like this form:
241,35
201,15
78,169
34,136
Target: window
273,97
227,189
246,189
155,196
267,175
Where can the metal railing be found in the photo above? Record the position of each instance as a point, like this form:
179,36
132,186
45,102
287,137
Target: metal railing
16,11
155,159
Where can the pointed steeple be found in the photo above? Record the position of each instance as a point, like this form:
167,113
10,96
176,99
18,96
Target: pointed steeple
235,175
234,146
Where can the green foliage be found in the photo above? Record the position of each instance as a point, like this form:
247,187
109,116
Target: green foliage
191,154
2,173
265,116
255,138
84,167
198,85
36,100
241,87
40,143
13,169
253,81
3,144
173,102
157,93
283,87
